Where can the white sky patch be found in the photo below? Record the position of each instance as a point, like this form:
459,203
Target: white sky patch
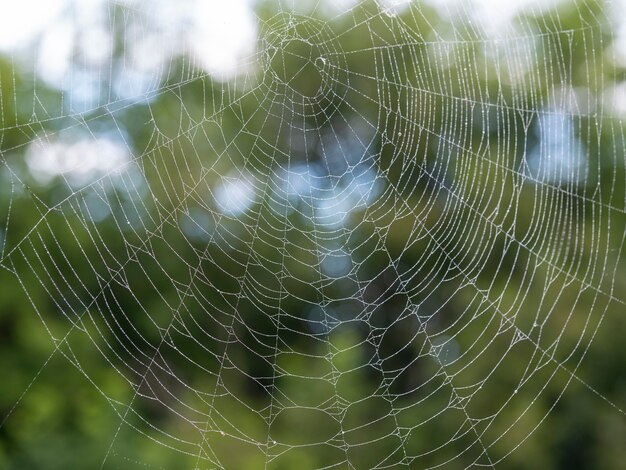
334,7
300,180
619,7
494,15
337,263
307,186
394,7
80,160
67,34
223,35
235,195
96,46
364,187
196,224
334,212
96,207
55,53
220,36
560,156
615,99
22,20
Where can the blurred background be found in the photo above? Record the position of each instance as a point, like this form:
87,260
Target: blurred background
304,234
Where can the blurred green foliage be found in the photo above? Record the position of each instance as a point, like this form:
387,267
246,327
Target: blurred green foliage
460,231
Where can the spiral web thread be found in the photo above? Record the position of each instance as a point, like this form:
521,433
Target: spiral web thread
347,250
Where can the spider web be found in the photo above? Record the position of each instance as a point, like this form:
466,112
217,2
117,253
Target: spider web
386,236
